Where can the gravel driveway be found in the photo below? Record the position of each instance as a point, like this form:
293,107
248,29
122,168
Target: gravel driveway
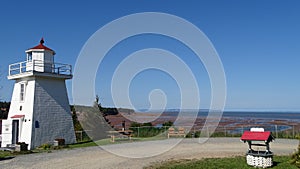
97,157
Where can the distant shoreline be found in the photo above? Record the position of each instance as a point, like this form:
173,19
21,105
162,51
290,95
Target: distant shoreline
235,122
274,115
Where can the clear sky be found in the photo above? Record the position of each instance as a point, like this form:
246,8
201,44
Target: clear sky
258,42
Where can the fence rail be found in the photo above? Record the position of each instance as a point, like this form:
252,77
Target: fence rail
39,66
279,131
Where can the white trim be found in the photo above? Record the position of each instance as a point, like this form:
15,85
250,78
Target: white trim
39,50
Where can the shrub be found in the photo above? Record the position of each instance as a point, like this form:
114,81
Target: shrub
145,129
45,146
168,124
296,158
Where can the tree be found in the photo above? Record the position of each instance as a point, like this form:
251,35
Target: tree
149,124
78,127
96,103
168,124
4,108
105,110
135,124
295,158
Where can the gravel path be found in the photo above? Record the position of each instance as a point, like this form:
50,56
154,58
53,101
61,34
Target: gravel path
96,157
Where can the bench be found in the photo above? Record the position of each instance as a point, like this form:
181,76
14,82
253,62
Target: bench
173,132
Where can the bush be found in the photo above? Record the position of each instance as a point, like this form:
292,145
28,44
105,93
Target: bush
193,134
167,124
145,129
147,124
45,146
135,124
48,146
296,158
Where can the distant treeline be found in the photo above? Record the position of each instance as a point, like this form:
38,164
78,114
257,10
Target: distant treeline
4,108
114,111
110,110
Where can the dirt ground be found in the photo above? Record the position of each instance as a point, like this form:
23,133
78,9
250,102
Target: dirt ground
99,157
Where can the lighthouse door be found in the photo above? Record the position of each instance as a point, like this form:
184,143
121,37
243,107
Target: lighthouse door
15,131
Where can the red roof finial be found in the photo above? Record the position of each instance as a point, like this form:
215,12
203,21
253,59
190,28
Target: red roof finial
41,46
42,41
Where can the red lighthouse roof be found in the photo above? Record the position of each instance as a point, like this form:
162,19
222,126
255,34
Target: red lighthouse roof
41,46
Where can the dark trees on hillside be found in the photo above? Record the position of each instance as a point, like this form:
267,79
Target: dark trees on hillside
105,110
4,108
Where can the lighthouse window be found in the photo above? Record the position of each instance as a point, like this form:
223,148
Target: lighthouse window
22,92
29,57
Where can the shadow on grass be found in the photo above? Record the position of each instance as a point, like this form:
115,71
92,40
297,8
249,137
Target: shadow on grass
275,163
82,142
6,158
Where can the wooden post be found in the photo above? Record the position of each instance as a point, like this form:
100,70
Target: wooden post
276,131
207,130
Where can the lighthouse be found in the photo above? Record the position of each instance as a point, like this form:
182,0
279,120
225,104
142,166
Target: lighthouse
39,112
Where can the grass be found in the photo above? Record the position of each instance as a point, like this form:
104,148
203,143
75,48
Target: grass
4,154
82,144
280,162
8,154
117,141
101,142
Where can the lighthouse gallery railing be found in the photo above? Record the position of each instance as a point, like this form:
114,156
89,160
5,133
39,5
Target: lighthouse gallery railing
39,66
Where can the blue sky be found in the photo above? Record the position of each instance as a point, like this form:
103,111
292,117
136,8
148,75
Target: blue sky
257,41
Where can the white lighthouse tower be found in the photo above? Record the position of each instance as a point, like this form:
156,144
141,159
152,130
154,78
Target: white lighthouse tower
39,112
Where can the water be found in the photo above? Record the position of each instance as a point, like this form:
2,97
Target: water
271,128
239,121
270,115
264,115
